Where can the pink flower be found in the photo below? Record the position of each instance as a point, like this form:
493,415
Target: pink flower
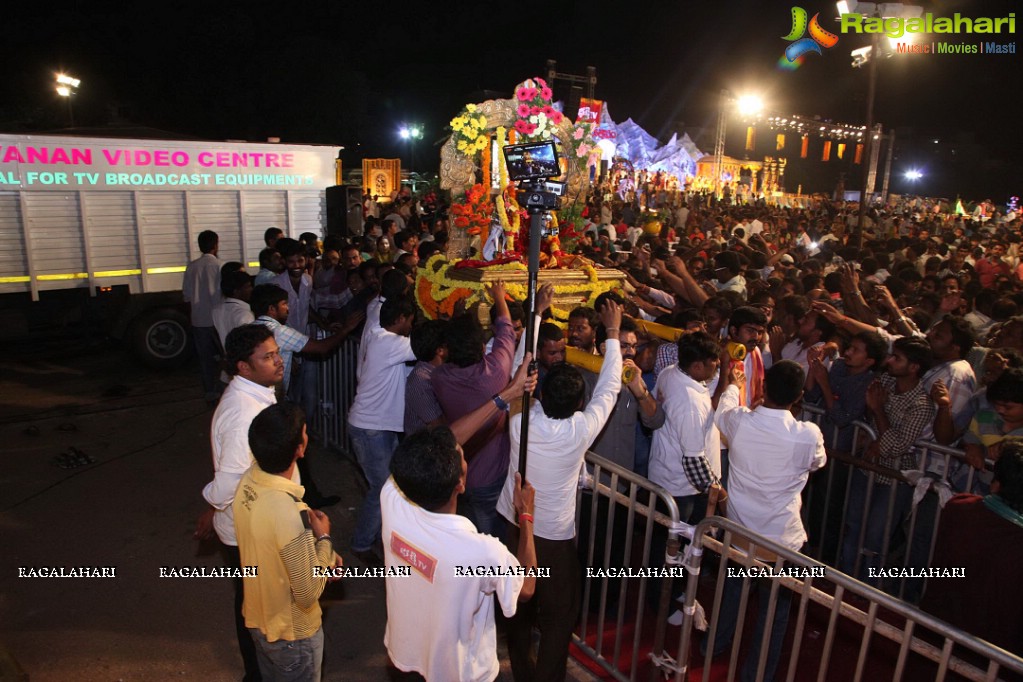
531,92
523,110
533,111
556,117
532,129
541,82
578,134
523,94
522,127
546,93
548,109
583,150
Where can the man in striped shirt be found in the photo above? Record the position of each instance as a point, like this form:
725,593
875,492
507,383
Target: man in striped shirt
285,542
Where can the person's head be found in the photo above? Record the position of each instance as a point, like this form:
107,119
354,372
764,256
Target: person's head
426,249
996,361
293,253
465,341
628,338
429,468
331,259
517,314
397,315
950,339
791,311
550,345
252,353
394,284
270,259
389,227
699,355
407,240
237,284
562,391
728,266
866,350
910,357
783,383
368,273
716,311
271,235
209,241
582,328
950,285
1008,473
1006,396
277,437
350,257
270,300
747,326
427,340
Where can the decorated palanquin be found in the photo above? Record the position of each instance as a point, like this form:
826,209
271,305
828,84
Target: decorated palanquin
485,213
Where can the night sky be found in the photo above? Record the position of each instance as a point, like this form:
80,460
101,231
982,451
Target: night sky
352,74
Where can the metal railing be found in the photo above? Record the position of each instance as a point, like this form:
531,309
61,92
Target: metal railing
336,392
608,543
842,597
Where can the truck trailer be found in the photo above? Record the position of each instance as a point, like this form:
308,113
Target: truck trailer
99,230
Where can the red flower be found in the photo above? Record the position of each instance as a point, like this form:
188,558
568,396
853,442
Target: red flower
535,110
523,94
531,129
548,110
557,117
522,126
523,110
546,93
461,221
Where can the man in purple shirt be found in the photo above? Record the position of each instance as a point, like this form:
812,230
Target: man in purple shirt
463,383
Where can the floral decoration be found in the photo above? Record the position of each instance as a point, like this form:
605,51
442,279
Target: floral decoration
472,212
470,130
536,116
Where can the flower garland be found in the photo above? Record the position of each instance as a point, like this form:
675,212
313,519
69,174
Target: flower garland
469,127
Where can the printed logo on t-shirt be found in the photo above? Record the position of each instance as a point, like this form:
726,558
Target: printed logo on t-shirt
421,562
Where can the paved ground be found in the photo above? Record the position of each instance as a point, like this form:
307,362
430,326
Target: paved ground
134,509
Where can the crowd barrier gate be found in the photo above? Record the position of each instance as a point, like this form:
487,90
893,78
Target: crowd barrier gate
835,598
335,394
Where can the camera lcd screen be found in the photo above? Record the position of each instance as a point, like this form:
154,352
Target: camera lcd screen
533,161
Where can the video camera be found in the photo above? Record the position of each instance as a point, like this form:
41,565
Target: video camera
532,166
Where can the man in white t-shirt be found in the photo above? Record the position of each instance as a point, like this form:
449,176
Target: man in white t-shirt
560,431
378,414
771,455
444,553
255,363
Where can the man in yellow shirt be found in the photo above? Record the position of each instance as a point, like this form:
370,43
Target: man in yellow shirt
282,542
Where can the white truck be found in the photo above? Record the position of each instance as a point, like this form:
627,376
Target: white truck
99,230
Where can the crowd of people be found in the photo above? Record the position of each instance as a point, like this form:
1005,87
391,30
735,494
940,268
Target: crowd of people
913,326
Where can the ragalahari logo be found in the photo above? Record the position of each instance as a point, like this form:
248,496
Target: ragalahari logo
802,44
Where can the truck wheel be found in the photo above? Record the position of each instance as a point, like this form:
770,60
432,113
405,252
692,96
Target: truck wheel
161,338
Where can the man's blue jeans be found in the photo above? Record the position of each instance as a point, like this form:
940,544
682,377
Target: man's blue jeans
729,616
300,660
875,519
373,450
479,505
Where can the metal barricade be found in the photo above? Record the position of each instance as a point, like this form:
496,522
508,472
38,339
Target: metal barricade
335,395
894,529
608,545
927,647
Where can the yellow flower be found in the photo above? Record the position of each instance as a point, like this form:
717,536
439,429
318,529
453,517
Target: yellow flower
461,145
470,108
483,121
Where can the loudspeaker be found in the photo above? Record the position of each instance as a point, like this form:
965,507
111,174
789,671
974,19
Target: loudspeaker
344,210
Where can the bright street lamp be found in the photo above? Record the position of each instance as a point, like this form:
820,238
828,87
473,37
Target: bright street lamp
411,133
747,105
913,175
67,86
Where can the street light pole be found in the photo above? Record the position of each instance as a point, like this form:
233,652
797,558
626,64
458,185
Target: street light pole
868,145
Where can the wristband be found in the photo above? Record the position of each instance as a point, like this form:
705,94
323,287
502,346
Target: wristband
500,402
525,517
325,536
